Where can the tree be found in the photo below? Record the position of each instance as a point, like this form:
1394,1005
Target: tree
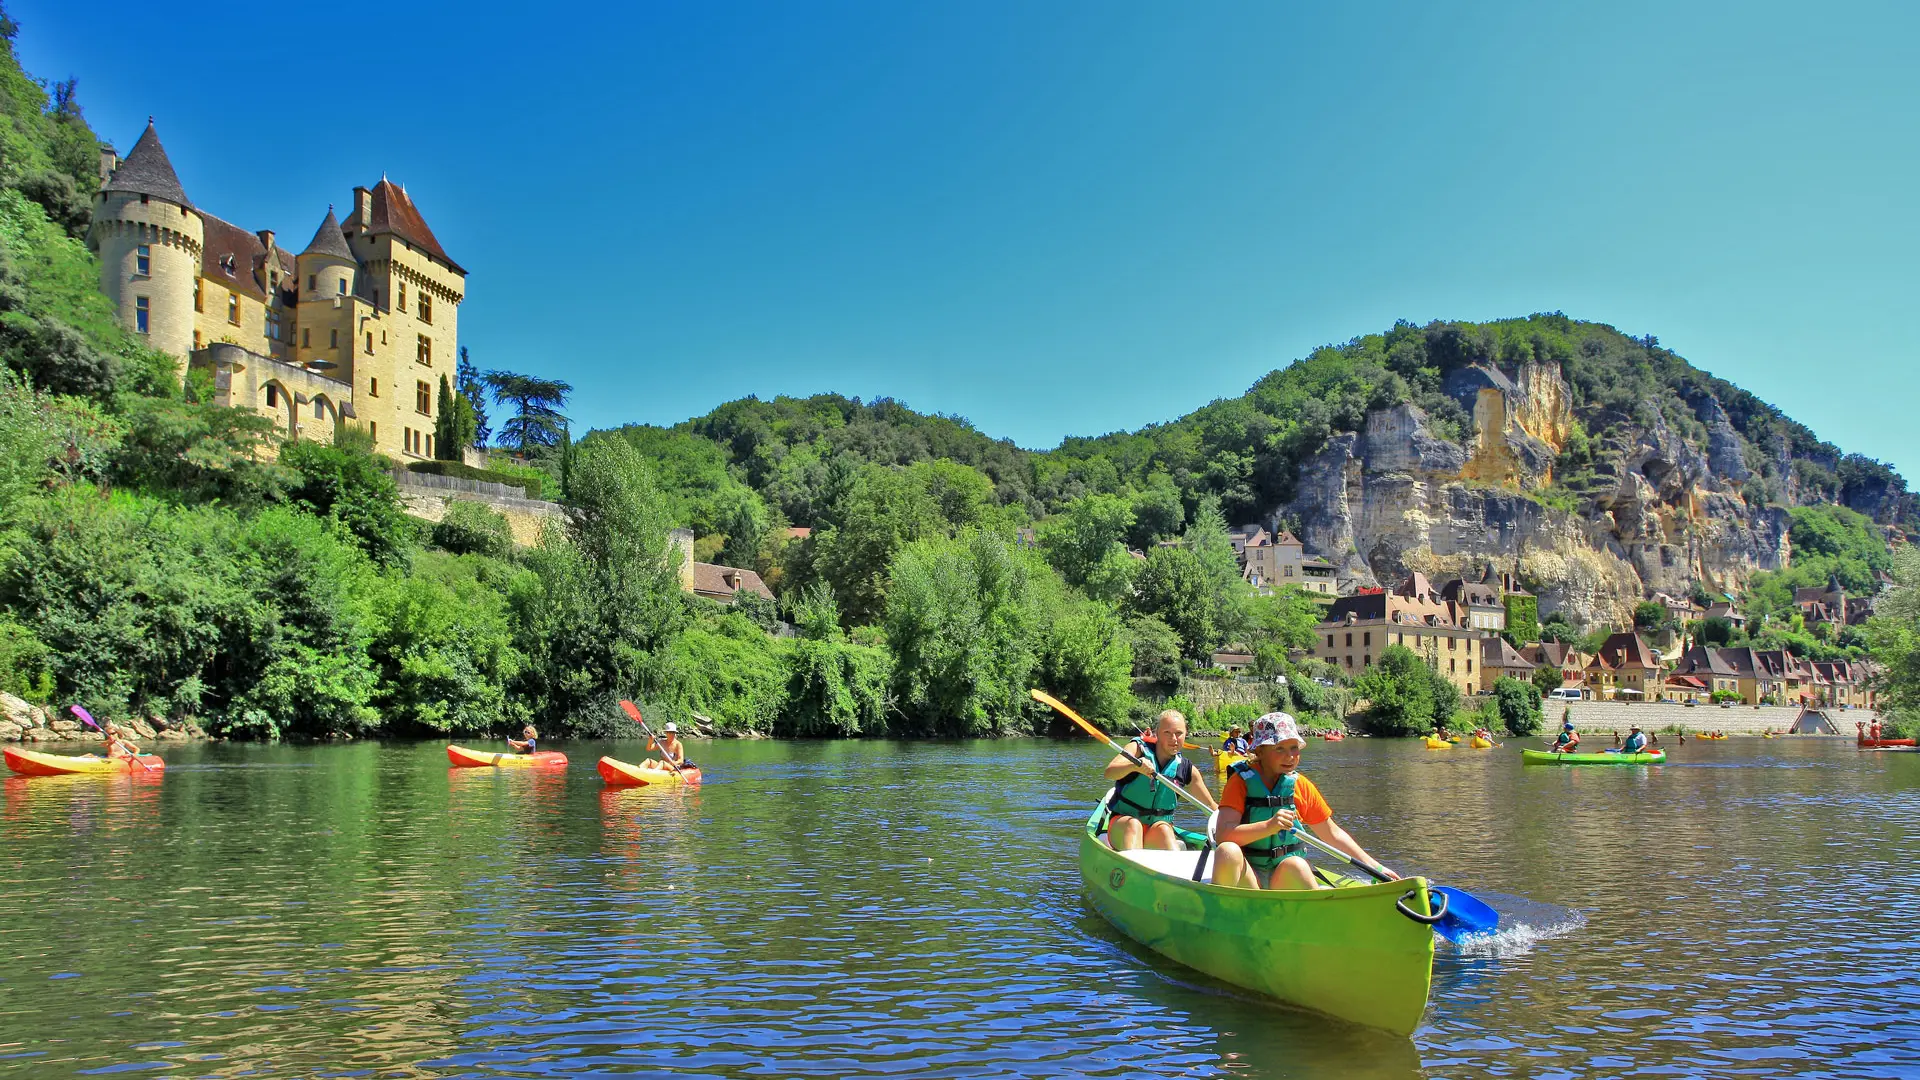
1404,695
1556,628
472,386
1894,636
453,424
1523,619
538,423
883,511
353,488
1085,544
1519,706
1648,615
960,622
1172,586
1546,678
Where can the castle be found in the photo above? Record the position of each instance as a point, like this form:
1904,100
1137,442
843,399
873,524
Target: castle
359,325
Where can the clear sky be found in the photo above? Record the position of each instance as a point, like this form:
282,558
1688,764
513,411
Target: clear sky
1066,218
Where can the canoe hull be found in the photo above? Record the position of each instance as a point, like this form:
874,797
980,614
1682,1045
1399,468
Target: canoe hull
1871,743
464,758
1223,763
1543,757
1347,953
34,763
1438,744
621,774
1480,744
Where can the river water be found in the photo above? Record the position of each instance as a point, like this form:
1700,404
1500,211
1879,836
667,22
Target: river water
889,909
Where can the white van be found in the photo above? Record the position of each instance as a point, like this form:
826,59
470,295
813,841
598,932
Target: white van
1564,693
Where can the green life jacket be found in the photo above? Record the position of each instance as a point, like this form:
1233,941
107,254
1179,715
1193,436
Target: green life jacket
1267,852
1143,798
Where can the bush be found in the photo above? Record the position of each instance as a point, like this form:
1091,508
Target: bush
1719,696
471,528
531,481
1519,706
1404,695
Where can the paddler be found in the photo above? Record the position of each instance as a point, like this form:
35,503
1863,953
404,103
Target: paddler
671,752
118,745
1231,744
1636,743
525,744
1142,806
1568,738
1263,800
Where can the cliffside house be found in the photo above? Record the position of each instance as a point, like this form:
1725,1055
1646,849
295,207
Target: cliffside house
1234,660
1412,614
1269,561
711,580
1724,609
1498,658
1482,601
1681,610
1831,604
1624,668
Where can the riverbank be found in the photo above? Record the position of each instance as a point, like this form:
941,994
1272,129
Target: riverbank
23,721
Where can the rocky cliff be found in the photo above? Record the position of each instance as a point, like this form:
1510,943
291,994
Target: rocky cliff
1655,512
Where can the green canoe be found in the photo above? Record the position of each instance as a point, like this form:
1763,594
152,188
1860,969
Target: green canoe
1355,952
1542,757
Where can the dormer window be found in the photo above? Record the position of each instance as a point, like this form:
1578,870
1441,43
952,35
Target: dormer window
226,265
343,286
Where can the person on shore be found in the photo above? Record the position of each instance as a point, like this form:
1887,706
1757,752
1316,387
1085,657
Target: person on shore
118,745
1141,808
526,742
1264,800
673,755
1568,739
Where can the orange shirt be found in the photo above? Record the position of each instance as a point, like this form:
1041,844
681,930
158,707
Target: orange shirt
1307,800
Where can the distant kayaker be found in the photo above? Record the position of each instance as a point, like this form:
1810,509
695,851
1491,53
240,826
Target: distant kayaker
1142,806
1567,739
1636,743
1233,743
525,744
1263,800
671,752
118,745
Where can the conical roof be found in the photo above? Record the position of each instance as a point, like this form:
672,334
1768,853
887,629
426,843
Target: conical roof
146,171
328,240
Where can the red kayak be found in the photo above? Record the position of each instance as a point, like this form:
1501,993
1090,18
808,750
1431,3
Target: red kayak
34,763
477,759
621,774
1874,743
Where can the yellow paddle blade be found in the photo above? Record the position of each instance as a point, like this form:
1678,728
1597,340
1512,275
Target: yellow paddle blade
1059,706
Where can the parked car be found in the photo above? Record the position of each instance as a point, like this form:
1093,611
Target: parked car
1564,693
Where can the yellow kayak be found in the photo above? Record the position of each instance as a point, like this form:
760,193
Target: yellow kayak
1479,743
463,758
1438,744
1224,762
34,763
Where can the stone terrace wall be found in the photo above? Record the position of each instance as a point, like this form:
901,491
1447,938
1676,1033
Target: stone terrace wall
426,495
1734,720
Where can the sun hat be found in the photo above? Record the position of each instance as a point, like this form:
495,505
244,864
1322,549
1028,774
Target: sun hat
672,728
1275,728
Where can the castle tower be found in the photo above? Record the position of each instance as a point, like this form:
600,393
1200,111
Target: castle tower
149,240
329,283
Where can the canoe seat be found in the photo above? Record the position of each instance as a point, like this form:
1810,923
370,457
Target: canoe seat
1175,863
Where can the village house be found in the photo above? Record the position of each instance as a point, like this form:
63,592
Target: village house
1269,561
1498,658
1412,614
1624,668
711,580
1571,662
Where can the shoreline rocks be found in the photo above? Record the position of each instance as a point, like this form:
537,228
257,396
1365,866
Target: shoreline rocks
23,721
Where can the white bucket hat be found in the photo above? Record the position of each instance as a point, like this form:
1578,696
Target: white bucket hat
672,728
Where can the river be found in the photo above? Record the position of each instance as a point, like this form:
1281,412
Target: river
843,909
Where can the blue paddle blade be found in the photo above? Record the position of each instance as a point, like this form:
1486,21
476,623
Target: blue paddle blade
1466,914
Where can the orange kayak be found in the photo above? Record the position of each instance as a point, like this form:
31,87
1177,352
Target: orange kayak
34,763
478,759
621,774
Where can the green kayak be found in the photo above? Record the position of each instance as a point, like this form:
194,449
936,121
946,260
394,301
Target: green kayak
1542,757
1358,952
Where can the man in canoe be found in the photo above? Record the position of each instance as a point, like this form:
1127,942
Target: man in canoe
1568,738
671,752
1142,806
1636,743
118,745
1263,800
525,744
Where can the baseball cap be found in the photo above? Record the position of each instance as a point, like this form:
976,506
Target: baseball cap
1275,728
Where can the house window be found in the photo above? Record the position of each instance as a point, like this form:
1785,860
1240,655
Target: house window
1329,641
1366,638
143,260
424,351
369,343
426,307
1349,639
313,282
140,312
423,399
306,338
1289,571
1366,661
197,305
1469,665
373,387
1349,660
1451,668
233,308
333,339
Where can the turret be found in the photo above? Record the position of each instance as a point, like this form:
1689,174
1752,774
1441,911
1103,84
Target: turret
328,282
149,240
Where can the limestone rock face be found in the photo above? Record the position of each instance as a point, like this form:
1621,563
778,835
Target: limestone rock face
21,713
1397,497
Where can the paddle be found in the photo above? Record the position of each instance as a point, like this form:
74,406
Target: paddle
1472,916
634,712
87,719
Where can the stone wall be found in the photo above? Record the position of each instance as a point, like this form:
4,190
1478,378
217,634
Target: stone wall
1591,716
526,517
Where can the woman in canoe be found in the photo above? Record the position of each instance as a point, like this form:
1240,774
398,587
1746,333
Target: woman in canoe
671,752
525,744
1142,806
1260,805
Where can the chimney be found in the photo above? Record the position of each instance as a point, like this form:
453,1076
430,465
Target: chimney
109,161
363,207
266,240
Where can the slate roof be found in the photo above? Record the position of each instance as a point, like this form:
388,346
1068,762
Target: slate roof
1624,650
329,240
1496,653
1477,594
710,579
393,212
146,171
237,258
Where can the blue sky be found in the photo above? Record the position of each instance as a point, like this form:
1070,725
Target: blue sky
1068,218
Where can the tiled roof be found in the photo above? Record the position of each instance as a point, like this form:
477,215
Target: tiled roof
233,257
1625,650
1496,653
710,579
146,171
394,212
329,240
1702,659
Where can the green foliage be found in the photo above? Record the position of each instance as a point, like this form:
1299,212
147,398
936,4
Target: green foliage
1523,619
1155,648
537,423
882,512
1404,695
1648,615
1173,587
1828,543
1546,679
530,480
355,490
1518,704
699,492
1719,696
455,424
1086,544
730,671
961,624
199,453
444,652
23,663
471,528
1894,634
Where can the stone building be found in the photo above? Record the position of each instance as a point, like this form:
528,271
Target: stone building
1413,614
358,325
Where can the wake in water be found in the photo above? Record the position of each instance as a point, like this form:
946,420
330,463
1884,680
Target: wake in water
1523,923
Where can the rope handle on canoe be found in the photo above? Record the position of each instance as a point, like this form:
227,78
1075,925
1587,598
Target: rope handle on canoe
1439,909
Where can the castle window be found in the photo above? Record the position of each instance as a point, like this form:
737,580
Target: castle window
273,324
306,338
197,288
143,260
424,353
233,308
423,399
140,314
373,387
426,308
343,286
429,444
401,304
373,428
313,282
369,343
333,339
273,396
